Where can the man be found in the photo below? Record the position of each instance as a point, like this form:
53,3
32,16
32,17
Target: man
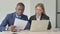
9,20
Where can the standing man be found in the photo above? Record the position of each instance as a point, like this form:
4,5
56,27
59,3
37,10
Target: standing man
10,18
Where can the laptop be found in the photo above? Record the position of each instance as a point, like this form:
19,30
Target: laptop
39,25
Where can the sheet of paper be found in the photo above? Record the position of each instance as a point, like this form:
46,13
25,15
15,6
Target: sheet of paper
20,24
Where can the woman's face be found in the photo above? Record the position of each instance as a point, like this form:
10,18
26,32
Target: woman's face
38,10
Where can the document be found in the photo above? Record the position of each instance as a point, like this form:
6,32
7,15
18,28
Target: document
20,24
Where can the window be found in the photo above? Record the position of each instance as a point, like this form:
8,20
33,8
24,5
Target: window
58,13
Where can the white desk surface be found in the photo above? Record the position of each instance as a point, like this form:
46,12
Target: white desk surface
28,32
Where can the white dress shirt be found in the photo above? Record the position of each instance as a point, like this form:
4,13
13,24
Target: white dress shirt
38,17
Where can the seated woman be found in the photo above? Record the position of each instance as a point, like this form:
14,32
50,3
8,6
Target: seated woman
40,15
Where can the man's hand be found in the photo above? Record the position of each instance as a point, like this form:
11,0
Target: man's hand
12,28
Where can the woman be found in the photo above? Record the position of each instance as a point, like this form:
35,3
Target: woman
40,14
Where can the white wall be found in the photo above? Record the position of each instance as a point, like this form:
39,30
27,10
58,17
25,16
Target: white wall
51,11
8,6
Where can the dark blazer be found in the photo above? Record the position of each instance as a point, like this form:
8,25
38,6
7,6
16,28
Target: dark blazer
9,20
43,17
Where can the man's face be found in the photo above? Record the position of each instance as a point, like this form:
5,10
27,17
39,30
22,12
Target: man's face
38,10
19,10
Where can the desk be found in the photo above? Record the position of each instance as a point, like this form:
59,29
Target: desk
28,32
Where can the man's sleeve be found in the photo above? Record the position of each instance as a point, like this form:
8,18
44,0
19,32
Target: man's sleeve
49,25
28,24
4,23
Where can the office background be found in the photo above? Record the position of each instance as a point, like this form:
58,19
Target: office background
8,6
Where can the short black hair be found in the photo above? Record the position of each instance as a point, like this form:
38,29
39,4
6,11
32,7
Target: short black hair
21,4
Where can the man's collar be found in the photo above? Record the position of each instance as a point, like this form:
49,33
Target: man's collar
18,16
